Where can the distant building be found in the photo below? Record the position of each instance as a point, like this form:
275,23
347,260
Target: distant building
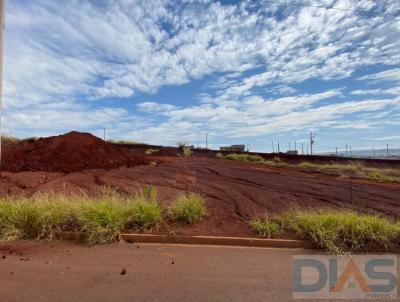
234,148
292,152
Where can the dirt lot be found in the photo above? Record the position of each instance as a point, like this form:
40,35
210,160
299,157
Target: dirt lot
234,191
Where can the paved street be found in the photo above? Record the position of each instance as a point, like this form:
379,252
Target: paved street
67,271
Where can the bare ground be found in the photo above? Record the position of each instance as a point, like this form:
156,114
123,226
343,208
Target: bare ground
235,191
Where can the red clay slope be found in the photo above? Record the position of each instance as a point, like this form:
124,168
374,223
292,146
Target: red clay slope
70,152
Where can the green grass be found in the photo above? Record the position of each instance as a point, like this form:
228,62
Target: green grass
101,220
43,216
265,227
341,232
276,162
57,213
186,151
101,217
351,169
355,169
187,209
143,211
243,157
18,220
124,142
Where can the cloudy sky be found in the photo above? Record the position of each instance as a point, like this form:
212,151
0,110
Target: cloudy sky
244,71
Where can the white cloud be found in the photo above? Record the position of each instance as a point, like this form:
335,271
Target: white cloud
395,90
255,116
60,55
67,48
387,75
155,107
367,92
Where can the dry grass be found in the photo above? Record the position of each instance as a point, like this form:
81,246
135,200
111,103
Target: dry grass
242,157
187,209
337,232
151,151
265,227
9,139
350,169
355,169
100,217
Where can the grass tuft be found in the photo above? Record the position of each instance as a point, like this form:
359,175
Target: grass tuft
351,169
18,220
355,169
101,220
101,217
341,232
244,157
143,210
187,209
265,227
186,151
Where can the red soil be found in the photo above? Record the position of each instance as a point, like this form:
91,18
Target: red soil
70,152
234,191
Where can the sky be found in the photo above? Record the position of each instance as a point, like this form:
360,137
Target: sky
251,72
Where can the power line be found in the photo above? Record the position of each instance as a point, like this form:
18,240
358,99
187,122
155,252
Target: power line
329,7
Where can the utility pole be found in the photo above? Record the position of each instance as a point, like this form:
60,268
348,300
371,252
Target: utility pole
351,153
347,154
2,24
273,147
104,134
289,146
302,149
206,140
295,145
387,150
311,142
279,150
336,152
307,149
373,152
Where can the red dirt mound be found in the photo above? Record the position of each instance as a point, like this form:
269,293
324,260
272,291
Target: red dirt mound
70,152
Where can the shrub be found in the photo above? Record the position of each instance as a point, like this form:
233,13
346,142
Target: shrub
187,209
265,227
342,232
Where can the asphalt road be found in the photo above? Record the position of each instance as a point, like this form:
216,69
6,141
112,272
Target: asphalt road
67,271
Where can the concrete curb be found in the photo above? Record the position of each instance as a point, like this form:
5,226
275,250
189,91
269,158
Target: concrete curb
201,240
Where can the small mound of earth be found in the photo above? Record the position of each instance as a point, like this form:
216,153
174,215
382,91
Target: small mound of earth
70,152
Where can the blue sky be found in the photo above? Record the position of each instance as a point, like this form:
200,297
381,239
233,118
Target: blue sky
248,72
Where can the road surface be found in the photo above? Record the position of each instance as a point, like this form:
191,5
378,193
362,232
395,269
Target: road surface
67,271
